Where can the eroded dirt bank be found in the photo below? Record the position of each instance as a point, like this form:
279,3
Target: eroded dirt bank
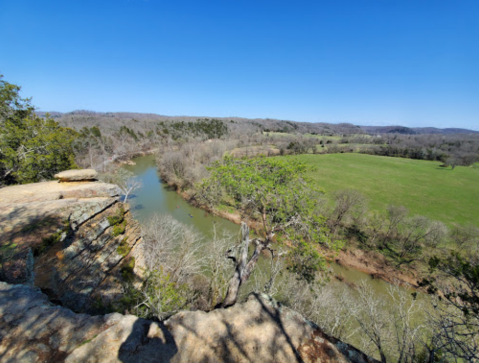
370,262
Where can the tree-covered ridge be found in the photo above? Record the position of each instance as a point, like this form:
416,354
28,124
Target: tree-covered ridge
204,128
31,148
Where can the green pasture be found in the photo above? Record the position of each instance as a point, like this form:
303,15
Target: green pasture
424,187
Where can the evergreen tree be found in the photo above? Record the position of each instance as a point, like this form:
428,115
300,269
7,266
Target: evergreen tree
31,148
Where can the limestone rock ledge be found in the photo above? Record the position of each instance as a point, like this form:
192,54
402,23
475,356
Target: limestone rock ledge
260,330
78,234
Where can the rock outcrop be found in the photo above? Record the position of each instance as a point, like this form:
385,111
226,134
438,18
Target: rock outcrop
260,330
79,234
77,175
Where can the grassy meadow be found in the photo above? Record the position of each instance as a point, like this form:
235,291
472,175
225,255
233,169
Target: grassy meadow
425,188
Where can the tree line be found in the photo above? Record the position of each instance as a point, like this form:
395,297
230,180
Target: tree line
452,150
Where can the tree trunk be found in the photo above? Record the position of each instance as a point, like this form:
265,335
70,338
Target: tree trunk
383,357
233,289
127,193
243,270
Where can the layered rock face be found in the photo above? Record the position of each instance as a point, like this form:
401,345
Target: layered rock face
260,330
71,239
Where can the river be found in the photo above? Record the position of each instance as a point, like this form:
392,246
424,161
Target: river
157,197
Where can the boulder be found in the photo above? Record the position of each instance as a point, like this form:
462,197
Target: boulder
76,175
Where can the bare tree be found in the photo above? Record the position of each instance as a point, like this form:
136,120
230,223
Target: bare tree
170,262
346,200
412,233
373,320
456,315
406,313
172,245
333,310
374,228
395,216
437,234
218,268
127,182
465,237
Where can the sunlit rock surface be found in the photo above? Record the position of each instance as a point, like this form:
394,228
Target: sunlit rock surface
66,228
77,175
260,330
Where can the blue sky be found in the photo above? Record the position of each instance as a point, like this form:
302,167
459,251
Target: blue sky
383,62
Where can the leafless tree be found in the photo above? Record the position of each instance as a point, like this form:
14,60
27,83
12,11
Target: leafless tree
127,182
374,228
345,201
437,234
455,316
374,321
413,231
218,268
406,314
417,232
333,310
173,246
395,216
465,237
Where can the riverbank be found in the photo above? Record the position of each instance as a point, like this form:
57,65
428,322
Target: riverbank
127,159
376,265
372,263
124,159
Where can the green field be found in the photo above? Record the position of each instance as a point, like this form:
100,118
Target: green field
425,188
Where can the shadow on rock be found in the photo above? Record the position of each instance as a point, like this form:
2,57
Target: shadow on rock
148,342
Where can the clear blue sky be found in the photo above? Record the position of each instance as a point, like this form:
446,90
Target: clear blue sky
407,62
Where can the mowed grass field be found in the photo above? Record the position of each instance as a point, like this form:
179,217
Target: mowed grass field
425,188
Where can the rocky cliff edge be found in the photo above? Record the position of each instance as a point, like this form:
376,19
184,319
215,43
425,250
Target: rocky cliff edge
71,239
259,330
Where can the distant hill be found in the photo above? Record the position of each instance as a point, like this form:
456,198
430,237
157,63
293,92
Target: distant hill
80,118
447,131
414,130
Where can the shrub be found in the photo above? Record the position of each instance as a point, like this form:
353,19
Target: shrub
123,249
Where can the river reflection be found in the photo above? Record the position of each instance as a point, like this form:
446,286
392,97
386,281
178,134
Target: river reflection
157,197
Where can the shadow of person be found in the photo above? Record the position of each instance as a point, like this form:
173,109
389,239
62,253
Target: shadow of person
148,342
